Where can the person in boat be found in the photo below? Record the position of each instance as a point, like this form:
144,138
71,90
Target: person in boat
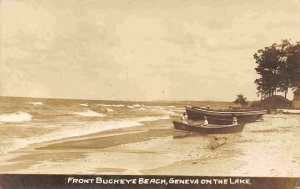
184,118
234,121
205,122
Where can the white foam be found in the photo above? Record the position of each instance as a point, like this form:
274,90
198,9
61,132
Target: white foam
15,117
166,110
179,108
152,118
131,107
14,145
81,130
89,113
112,105
101,126
36,103
109,110
136,106
85,105
156,107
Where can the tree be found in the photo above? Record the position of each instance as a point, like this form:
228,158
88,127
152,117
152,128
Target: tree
268,63
283,72
241,100
293,66
279,68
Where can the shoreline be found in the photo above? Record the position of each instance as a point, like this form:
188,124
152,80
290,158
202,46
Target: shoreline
155,148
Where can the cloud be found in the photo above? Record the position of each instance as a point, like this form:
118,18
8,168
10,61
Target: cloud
138,49
296,2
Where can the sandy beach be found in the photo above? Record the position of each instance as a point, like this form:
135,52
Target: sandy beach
91,87
267,148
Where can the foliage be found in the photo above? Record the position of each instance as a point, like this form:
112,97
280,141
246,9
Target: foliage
293,64
241,100
279,68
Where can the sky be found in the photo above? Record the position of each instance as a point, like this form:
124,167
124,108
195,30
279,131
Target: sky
138,49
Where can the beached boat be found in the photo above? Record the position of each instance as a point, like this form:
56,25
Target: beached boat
288,111
224,117
209,129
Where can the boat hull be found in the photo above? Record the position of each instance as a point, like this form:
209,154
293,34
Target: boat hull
224,117
210,129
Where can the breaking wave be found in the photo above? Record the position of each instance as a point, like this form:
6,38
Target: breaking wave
15,117
166,110
88,113
85,130
109,110
84,105
112,105
35,103
137,105
99,127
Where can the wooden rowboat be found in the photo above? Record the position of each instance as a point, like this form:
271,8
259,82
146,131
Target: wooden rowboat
224,117
210,129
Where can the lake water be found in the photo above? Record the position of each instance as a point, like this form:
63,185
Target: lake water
273,143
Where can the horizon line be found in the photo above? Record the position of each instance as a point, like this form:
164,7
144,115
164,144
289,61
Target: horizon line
120,100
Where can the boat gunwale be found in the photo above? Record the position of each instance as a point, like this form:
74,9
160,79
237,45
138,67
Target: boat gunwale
210,126
229,129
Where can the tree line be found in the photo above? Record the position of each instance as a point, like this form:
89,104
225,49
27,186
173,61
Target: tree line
279,68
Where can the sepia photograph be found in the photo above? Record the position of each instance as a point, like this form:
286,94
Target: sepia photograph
150,87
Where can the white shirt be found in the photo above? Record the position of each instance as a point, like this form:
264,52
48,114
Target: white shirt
234,122
183,118
205,123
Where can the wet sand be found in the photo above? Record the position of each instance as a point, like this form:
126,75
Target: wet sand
268,148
